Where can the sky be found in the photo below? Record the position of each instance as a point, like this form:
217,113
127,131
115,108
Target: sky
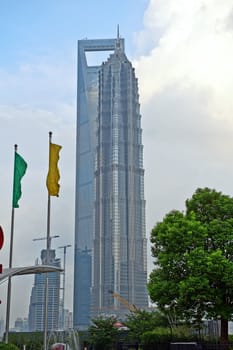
182,52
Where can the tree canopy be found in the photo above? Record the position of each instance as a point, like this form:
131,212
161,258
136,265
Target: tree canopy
102,332
142,321
193,253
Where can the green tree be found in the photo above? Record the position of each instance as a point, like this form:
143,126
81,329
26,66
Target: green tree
142,321
103,334
194,260
29,339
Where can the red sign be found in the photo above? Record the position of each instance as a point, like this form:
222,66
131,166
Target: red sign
1,237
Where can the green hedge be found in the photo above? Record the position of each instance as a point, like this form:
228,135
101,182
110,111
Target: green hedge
4,346
151,339
32,340
161,337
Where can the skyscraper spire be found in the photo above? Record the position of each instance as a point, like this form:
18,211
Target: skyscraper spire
118,44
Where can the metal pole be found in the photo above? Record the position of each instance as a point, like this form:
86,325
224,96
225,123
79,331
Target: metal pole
9,281
47,262
10,266
63,292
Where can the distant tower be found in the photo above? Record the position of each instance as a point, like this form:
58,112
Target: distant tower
110,205
36,307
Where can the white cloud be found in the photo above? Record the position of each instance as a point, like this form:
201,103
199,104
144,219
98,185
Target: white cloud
186,83
194,49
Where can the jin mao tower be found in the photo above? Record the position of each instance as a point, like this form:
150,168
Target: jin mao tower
110,242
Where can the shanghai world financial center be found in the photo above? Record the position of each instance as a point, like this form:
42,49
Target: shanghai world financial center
110,239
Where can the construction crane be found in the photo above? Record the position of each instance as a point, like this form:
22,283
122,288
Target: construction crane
47,238
123,301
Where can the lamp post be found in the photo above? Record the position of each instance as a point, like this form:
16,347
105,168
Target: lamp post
63,287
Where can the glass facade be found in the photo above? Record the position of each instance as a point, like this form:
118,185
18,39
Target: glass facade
110,205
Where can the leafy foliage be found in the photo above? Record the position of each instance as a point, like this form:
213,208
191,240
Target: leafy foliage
160,337
154,339
8,346
29,339
141,321
103,334
194,259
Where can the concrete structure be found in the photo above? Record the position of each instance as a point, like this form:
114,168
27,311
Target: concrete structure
37,299
110,243
68,319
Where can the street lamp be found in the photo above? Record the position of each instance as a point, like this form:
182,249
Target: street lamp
63,288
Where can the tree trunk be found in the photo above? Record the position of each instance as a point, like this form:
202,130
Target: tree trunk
224,331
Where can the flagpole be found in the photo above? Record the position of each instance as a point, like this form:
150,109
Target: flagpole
47,262
53,190
10,266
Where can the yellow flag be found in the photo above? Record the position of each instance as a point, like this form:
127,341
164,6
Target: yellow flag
53,174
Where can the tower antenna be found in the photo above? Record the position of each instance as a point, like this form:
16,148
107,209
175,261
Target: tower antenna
118,39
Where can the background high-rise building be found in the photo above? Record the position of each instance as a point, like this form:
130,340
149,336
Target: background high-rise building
2,328
37,299
110,243
21,324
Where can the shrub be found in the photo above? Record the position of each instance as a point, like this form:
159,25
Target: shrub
4,346
154,339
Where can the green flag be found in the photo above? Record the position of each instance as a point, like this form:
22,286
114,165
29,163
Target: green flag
19,171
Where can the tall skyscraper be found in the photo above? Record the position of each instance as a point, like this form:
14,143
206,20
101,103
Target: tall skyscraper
110,242
37,299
